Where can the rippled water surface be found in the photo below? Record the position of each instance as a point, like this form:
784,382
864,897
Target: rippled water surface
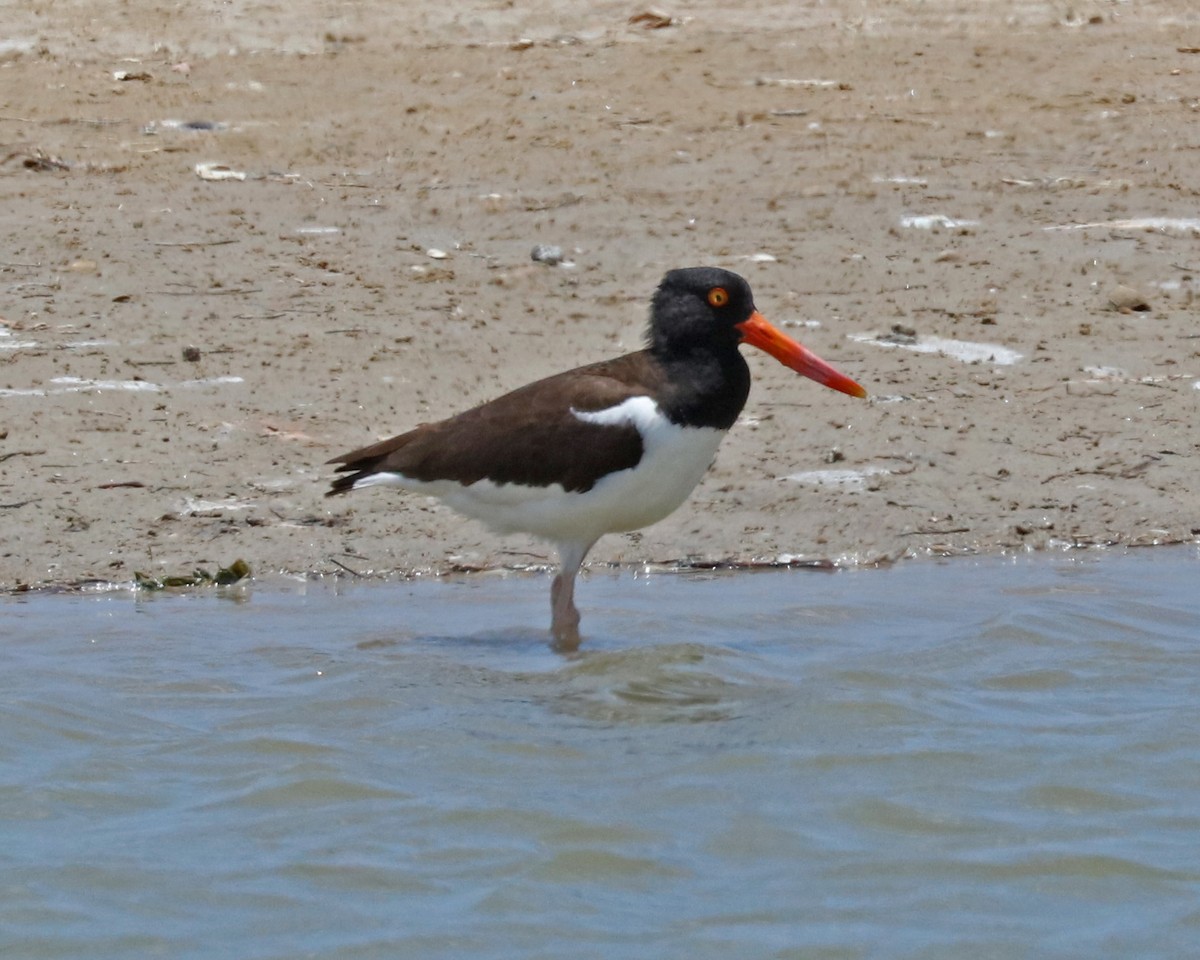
973,759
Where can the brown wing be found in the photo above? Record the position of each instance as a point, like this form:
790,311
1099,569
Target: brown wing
527,437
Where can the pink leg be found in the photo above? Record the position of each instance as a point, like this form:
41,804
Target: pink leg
564,618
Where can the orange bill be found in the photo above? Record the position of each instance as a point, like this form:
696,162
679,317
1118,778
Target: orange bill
757,332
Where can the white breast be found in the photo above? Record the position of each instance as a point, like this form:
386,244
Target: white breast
674,459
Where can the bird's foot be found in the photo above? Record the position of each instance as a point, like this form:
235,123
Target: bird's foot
565,640
564,623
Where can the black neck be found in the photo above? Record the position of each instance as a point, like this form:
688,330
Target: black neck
704,388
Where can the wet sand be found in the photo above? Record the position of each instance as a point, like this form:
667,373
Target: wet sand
943,200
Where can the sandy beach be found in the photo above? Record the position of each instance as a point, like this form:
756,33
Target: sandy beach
238,241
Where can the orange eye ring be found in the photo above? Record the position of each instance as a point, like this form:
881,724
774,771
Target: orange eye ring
718,297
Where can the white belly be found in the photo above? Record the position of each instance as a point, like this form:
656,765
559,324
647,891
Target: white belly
674,459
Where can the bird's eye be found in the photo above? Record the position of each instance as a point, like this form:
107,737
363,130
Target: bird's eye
718,297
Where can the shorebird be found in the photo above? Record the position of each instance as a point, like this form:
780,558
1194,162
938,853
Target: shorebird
604,448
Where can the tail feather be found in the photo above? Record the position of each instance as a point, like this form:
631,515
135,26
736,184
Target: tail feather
346,482
359,464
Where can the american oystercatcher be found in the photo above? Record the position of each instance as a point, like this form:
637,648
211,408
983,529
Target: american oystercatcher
609,447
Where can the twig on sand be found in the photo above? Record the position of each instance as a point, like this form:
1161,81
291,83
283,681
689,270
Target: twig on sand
349,570
211,292
193,243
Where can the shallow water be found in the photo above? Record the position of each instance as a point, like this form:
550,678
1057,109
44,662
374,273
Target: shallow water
973,759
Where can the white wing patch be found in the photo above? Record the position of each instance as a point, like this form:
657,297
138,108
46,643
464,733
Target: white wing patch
642,413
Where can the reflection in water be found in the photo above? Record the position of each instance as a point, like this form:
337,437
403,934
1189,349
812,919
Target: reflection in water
662,684
976,758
